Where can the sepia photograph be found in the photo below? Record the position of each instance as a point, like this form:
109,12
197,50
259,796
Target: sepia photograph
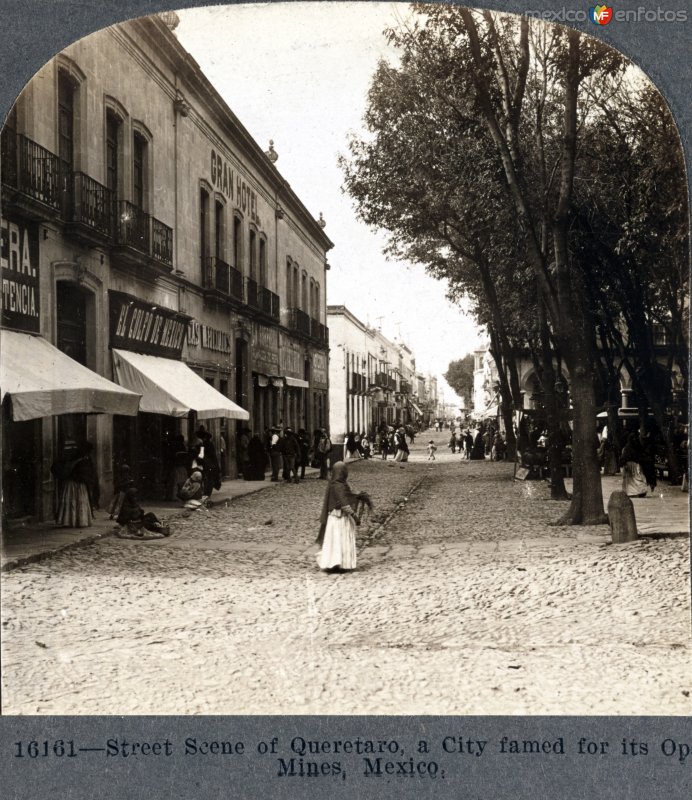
344,360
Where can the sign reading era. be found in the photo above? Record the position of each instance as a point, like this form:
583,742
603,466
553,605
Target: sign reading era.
20,275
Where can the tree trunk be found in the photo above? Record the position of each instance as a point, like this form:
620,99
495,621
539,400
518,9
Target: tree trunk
586,507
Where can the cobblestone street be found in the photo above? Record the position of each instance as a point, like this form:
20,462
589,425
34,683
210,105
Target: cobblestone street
465,601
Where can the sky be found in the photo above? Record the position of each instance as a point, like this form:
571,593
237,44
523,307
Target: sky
298,73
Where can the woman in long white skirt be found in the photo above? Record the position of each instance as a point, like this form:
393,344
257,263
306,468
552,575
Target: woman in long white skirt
338,523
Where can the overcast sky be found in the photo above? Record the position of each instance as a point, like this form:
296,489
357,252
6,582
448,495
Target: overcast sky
298,73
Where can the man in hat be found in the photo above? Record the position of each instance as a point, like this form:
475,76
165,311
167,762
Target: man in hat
324,450
291,454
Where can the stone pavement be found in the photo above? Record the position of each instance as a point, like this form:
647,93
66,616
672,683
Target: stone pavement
466,600
26,543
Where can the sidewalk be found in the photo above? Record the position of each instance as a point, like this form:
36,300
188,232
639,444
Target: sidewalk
22,545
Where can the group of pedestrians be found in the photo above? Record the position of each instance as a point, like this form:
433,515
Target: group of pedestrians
283,451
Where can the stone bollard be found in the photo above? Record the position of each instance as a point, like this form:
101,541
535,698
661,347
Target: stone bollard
623,525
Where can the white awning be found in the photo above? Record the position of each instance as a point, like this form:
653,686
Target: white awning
42,382
262,380
170,387
416,408
299,382
490,411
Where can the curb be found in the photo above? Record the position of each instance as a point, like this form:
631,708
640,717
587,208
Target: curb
23,561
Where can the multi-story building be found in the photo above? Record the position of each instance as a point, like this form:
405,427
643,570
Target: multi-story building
151,239
372,380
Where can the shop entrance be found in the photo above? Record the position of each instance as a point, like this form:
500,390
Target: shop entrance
145,444
71,313
20,465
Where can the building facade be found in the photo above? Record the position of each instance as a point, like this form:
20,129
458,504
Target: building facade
372,380
158,231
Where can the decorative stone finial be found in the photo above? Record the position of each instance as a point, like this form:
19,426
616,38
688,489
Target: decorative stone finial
271,154
321,222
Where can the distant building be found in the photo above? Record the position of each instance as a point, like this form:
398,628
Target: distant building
372,380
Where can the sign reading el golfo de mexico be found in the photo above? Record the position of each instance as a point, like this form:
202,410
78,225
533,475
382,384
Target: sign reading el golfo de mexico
144,327
20,275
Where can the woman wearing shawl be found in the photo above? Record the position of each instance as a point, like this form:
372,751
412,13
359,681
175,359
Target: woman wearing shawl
634,481
338,523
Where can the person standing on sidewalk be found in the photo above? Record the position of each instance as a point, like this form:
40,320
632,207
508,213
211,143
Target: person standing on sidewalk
324,451
80,494
337,534
276,453
304,441
291,454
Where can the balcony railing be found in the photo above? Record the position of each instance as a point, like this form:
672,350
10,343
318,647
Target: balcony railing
91,204
405,387
252,292
299,321
161,242
133,227
319,331
269,303
223,278
384,381
32,170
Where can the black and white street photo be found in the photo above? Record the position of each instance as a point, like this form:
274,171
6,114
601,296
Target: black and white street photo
344,359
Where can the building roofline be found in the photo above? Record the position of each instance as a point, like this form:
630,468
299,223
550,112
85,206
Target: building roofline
169,46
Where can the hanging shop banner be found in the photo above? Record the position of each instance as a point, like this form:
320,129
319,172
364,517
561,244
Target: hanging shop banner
320,370
265,350
145,328
208,338
20,275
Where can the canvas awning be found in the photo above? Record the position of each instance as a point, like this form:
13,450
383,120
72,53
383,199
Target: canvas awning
170,387
42,381
416,408
262,380
490,411
298,382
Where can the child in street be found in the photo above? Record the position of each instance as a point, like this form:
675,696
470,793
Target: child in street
432,447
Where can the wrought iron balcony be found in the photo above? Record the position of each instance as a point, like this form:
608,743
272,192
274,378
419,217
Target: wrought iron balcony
405,387
252,292
35,174
90,210
223,278
133,227
319,331
269,303
161,242
262,299
299,321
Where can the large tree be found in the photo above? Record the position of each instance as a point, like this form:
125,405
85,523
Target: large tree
459,376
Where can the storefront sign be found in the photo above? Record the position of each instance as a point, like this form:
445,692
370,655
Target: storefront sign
265,351
199,335
227,181
20,275
292,360
145,328
319,369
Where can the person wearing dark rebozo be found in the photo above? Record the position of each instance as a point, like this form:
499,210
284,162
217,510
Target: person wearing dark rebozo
192,491
135,520
338,521
257,460
80,493
634,480
212,472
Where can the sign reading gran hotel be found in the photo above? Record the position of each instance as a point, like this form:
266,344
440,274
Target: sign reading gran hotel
233,186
